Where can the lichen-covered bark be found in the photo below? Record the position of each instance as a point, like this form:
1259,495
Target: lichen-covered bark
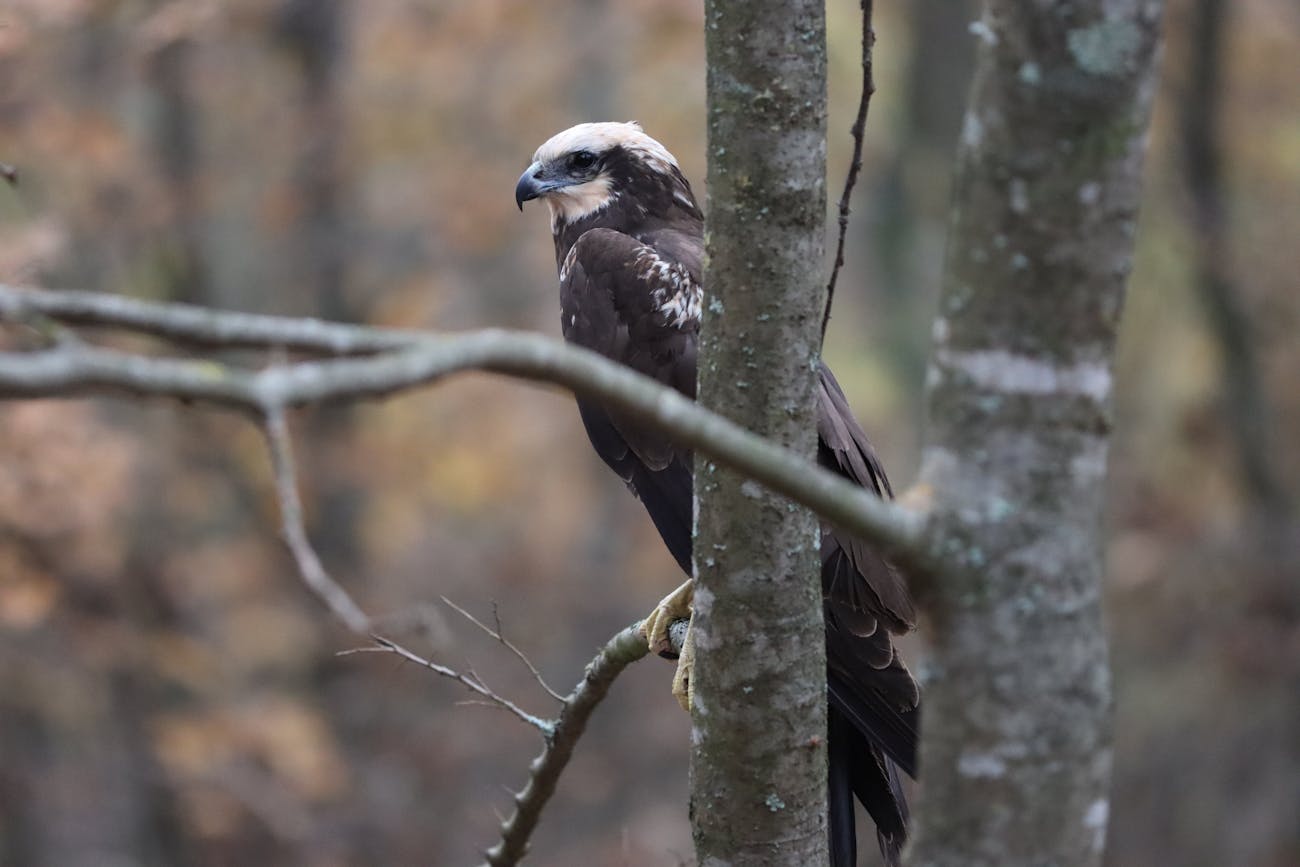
758,769
1016,747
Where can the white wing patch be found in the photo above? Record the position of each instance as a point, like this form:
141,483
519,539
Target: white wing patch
568,263
676,294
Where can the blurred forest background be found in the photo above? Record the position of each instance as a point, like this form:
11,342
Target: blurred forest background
170,694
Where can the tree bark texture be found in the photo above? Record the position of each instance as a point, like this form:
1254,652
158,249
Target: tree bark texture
1016,743
758,763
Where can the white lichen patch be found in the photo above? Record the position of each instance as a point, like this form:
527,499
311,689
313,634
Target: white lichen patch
982,31
1095,820
774,802
1019,196
981,765
1089,463
1013,373
939,330
1107,48
972,130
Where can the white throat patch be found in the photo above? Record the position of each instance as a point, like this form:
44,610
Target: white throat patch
573,203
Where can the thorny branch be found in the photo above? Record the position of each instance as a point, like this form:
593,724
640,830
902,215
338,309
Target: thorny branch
396,360
355,362
618,653
855,166
470,681
559,735
70,366
499,634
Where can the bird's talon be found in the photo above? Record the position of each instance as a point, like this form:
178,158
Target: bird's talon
656,626
683,685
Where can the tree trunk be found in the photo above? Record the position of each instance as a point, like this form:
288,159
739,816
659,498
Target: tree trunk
1016,744
1245,403
758,764
185,275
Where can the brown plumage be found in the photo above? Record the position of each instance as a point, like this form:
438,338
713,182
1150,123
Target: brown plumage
629,248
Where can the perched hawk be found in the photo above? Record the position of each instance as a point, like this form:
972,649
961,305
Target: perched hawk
629,243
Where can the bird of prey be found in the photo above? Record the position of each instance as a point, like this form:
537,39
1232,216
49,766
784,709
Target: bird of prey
629,244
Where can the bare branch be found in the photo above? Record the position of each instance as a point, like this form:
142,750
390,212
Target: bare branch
410,359
499,635
398,361
855,166
469,681
619,652
193,325
559,736
295,533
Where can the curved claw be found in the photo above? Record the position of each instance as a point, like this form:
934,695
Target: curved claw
657,628
674,606
683,685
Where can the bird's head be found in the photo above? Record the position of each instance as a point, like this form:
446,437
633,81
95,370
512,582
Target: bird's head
586,168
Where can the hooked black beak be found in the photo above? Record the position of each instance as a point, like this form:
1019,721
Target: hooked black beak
529,186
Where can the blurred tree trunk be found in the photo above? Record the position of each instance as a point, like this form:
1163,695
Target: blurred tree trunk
758,763
314,34
914,193
176,151
1246,409
597,68
1016,742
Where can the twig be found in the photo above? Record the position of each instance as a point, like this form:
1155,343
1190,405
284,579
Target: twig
401,360
415,359
559,736
619,652
858,130
295,533
469,681
397,361
500,636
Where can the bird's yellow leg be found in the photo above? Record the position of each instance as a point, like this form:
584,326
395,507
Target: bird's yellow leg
674,607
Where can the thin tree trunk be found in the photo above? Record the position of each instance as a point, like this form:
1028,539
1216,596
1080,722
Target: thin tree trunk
315,33
913,195
1016,741
758,765
1246,409
176,146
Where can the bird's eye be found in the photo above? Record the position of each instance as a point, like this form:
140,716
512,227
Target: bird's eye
582,160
